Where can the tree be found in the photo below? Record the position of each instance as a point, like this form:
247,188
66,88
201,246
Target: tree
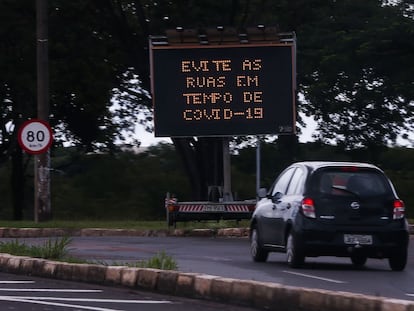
354,66
351,60
355,73
17,66
85,67
202,157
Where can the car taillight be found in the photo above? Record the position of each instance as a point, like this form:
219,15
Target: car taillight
308,208
399,209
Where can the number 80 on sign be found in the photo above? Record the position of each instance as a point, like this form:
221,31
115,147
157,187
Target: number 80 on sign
35,136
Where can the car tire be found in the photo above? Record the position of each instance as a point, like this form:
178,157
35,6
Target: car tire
358,260
295,256
398,259
259,254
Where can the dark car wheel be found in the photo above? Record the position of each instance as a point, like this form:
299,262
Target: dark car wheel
398,259
358,260
258,253
295,256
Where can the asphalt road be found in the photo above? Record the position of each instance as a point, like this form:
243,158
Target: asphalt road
229,257
37,294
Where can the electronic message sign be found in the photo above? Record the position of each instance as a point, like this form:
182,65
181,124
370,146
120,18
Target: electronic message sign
223,90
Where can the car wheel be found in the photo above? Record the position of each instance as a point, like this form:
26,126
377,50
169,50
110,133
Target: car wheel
258,253
398,260
294,254
358,260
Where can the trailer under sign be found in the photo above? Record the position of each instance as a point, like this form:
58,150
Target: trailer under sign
197,211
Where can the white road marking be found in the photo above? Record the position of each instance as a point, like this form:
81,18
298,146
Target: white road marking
18,299
17,282
67,302
89,300
51,290
315,277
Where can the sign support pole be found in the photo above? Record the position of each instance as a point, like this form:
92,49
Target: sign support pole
227,195
258,161
42,210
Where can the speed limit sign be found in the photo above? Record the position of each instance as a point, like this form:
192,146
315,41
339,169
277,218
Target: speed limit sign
35,136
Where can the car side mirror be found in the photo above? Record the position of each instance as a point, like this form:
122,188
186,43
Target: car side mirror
262,193
277,196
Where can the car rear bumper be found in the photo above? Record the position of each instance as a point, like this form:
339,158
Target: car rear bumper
383,242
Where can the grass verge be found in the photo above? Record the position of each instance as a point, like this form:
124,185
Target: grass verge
51,249
142,225
57,249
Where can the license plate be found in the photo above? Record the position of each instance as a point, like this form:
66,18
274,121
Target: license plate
214,208
363,239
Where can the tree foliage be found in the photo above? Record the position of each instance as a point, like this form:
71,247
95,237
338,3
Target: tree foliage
354,69
355,72
130,186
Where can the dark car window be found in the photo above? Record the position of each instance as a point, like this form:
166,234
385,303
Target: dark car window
295,185
283,182
343,182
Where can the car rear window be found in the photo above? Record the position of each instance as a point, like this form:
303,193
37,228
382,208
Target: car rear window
343,182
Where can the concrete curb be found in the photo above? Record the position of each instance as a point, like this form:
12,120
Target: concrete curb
262,295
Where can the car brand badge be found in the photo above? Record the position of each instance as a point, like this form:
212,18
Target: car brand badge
355,205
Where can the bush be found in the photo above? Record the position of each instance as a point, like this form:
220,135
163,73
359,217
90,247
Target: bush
160,261
58,249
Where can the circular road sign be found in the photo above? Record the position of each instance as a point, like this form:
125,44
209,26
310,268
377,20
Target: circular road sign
35,136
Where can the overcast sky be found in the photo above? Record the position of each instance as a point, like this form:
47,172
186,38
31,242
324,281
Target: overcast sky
148,139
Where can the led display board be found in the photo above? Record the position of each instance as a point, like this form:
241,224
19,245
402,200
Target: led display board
223,90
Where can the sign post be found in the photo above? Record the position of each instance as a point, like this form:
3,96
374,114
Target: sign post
42,162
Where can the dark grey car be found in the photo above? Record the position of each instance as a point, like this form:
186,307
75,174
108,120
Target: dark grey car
331,209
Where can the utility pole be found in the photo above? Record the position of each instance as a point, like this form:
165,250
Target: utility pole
42,210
